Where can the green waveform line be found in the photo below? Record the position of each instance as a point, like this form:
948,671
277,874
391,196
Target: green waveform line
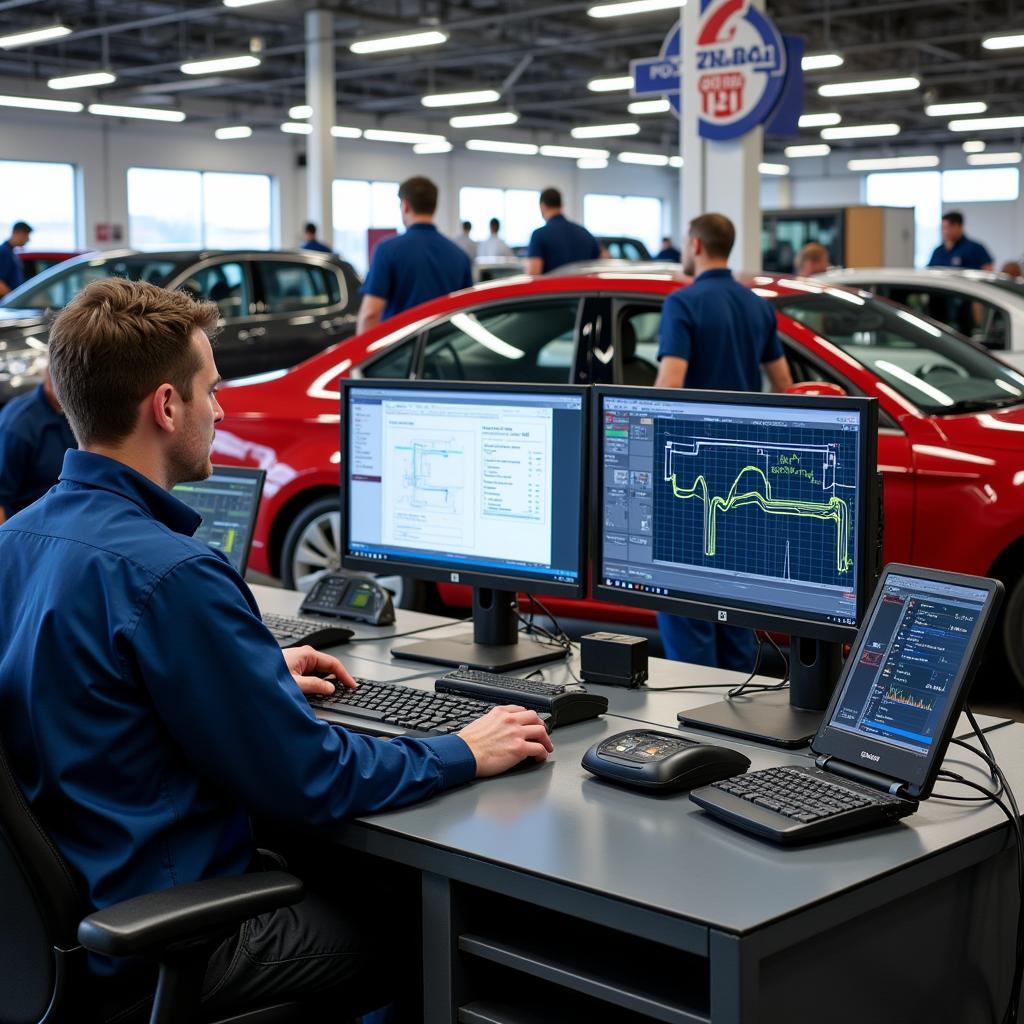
835,509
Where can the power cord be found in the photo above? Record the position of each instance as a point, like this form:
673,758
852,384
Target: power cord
558,638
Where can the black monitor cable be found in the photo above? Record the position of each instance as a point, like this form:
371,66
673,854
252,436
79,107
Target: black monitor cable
557,638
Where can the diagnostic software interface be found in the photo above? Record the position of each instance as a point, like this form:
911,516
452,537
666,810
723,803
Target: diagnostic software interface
750,506
227,500
913,652
467,480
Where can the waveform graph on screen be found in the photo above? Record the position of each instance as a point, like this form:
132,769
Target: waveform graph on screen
776,501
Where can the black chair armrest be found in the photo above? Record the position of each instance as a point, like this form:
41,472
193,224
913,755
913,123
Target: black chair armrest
186,914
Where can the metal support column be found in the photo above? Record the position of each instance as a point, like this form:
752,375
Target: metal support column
320,95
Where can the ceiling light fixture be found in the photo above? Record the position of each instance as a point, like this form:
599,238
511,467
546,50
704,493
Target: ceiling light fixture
819,120
340,131
140,113
621,83
297,128
31,103
483,120
303,110
649,107
426,148
215,65
383,135
35,35
981,159
82,81
860,131
952,109
776,170
574,152
410,41
974,146
892,163
239,131
821,61
605,131
869,87
461,99
985,124
627,7
592,163
494,146
813,149
646,159
1003,42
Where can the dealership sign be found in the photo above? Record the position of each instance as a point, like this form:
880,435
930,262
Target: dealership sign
747,72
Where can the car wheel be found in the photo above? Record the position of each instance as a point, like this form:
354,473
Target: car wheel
312,548
1013,632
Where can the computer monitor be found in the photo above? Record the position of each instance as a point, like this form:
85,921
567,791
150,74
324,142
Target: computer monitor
228,501
480,484
747,509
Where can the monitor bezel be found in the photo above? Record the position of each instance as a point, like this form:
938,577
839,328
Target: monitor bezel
492,579
891,761
699,606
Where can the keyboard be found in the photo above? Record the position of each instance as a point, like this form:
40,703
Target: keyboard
291,631
566,703
799,804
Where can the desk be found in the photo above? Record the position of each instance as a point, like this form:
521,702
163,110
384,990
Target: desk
548,896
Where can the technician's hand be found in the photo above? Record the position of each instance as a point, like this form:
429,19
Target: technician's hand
302,662
504,736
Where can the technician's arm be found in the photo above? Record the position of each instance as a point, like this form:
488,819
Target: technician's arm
3,515
4,287
371,309
671,372
778,374
534,266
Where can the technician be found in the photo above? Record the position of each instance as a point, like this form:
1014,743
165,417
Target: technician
465,241
312,243
715,334
493,246
668,252
957,250
811,259
413,267
559,241
11,273
34,435
146,711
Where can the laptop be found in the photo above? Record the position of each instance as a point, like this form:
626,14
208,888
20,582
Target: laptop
890,720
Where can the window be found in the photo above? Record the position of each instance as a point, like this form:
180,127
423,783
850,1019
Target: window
920,189
518,209
65,281
638,342
534,342
169,209
981,185
974,317
297,287
359,207
394,364
224,283
629,216
42,195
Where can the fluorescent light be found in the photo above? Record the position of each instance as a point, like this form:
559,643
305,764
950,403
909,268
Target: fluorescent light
973,146
621,83
649,107
240,131
216,64
591,163
493,146
303,110
777,170
425,148
675,161
869,87
813,149
892,163
297,128
626,7
984,124
82,81
573,152
821,61
952,109
142,113
461,99
404,42
861,131
647,159
380,135
30,103
340,131
483,120
1003,42
35,35
819,120
605,131
981,159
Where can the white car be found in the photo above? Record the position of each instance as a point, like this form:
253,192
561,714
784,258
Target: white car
980,304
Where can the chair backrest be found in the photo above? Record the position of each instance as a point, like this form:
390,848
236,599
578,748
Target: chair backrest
40,907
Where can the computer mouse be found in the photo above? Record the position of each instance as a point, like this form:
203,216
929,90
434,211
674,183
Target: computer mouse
661,761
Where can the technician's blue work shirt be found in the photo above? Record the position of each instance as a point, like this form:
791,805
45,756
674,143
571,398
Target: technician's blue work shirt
723,330
415,267
146,710
11,271
314,246
965,255
33,440
560,241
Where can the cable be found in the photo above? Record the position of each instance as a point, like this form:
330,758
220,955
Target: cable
742,688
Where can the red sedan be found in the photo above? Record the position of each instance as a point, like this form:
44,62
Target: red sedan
951,436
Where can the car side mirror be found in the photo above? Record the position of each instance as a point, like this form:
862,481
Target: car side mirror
817,389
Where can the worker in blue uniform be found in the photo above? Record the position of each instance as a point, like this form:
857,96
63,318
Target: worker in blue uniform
11,272
715,334
957,250
559,241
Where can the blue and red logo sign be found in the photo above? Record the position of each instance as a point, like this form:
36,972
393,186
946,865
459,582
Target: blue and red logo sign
745,71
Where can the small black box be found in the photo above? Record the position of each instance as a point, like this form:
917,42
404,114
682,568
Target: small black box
613,659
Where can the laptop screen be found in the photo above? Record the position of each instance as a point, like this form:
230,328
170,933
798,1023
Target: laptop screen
228,501
906,674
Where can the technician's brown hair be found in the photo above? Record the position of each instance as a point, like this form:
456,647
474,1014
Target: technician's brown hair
116,342
716,234
420,194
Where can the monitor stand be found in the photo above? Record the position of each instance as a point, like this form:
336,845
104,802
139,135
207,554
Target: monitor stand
494,645
782,719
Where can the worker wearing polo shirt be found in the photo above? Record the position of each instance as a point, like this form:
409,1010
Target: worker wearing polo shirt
715,334
414,267
11,273
312,243
34,435
957,250
559,241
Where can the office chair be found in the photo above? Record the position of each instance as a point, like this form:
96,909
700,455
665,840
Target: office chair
44,939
